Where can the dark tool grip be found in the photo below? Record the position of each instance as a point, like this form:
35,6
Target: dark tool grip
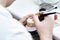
41,17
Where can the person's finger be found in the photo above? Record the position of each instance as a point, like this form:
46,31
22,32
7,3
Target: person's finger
27,16
35,18
23,20
37,14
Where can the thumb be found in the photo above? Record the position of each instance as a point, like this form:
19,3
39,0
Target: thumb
36,20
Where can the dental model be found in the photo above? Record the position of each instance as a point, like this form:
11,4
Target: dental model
30,22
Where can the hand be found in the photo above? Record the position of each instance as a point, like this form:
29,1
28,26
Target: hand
24,19
44,28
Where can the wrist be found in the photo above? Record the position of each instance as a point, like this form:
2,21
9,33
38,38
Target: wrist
45,36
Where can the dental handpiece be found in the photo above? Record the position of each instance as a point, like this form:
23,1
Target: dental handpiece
41,17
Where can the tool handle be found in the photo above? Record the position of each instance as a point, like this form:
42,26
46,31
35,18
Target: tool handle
41,17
